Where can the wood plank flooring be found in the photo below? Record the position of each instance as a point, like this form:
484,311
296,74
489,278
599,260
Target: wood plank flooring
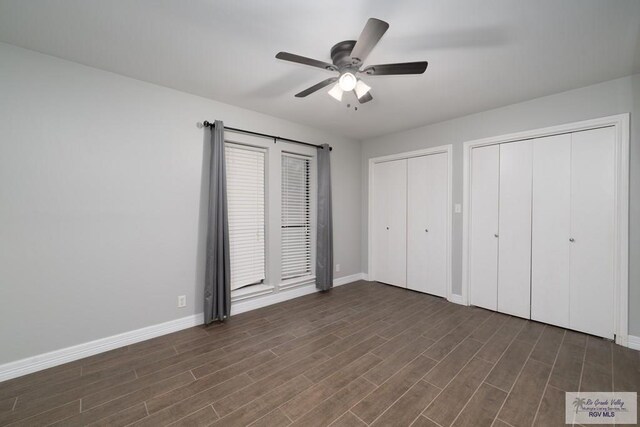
361,354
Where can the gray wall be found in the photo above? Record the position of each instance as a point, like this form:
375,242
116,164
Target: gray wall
102,205
604,99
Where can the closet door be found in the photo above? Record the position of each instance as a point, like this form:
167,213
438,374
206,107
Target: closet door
427,224
550,230
483,261
592,231
514,249
390,222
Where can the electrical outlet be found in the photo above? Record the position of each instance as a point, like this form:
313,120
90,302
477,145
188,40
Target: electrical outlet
337,267
458,208
182,301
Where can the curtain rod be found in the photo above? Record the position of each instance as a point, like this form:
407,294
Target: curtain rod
264,135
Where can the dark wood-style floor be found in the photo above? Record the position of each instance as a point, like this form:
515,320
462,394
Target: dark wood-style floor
362,354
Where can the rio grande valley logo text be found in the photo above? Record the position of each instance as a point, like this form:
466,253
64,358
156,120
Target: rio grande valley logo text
601,407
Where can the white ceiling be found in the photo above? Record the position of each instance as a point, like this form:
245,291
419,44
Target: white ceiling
482,53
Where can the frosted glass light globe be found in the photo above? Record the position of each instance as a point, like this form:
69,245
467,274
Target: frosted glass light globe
336,92
362,89
347,82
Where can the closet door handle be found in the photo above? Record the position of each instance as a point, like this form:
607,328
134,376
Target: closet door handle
426,230
387,228
571,239
496,235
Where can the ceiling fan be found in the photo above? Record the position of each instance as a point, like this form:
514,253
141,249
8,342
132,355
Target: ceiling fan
348,58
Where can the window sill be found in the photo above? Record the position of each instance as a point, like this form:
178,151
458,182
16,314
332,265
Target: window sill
250,292
297,282
259,290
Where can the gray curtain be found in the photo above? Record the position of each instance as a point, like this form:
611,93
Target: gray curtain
324,245
217,287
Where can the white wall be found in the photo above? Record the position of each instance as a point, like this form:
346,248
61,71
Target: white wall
102,202
604,99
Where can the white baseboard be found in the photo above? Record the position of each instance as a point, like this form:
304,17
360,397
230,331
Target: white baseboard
456,299
349,279
69,354
633,342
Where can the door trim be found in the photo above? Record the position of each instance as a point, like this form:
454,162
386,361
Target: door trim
442,149
620,123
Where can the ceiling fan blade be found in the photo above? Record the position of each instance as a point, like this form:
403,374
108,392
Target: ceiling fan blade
365,98
316,87
394,69
286,56
369,38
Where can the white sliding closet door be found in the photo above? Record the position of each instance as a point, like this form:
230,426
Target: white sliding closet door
550,276
390,222
592,231
483,261
514,253
427,224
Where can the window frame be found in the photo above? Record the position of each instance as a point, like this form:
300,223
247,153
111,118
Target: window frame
302,280
230,144
274,150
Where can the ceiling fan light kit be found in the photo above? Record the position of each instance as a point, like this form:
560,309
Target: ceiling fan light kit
336,91
348,58
347,81
361,89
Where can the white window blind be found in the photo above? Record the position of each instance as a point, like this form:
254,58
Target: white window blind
296,216
245,198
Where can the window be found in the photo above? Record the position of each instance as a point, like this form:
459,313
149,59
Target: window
265,179
296,216
246,207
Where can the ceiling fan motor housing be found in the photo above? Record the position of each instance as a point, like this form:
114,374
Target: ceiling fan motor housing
341,56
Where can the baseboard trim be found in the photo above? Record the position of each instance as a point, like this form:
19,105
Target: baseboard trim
456,299
349,279
633,342
69,354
